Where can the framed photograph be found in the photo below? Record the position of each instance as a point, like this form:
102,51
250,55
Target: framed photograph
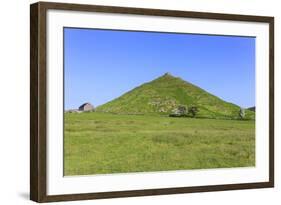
134,102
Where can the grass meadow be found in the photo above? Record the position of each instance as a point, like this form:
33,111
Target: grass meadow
103,143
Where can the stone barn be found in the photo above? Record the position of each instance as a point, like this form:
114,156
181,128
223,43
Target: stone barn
86,107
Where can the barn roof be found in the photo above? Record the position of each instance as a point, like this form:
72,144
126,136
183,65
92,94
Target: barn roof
85,104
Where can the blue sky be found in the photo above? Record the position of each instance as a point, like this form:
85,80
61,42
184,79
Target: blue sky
101,65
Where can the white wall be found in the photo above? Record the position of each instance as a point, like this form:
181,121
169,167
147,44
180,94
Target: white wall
14,92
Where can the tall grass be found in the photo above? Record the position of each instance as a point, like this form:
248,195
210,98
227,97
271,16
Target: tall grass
100,143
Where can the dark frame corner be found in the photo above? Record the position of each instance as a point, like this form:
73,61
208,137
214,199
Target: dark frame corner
38,100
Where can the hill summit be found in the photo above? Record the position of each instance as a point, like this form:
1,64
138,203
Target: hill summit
166,93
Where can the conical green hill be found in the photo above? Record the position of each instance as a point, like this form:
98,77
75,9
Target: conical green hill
166,93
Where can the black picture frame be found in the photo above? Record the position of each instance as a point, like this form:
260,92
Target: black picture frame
38,100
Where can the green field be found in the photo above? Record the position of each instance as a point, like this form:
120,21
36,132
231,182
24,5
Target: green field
100,143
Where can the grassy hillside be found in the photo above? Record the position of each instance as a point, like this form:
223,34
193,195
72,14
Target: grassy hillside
252,109
100,143
166,93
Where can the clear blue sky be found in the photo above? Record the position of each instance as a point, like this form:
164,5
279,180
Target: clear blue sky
101,65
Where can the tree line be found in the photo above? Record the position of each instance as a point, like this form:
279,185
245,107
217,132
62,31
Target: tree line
184,111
